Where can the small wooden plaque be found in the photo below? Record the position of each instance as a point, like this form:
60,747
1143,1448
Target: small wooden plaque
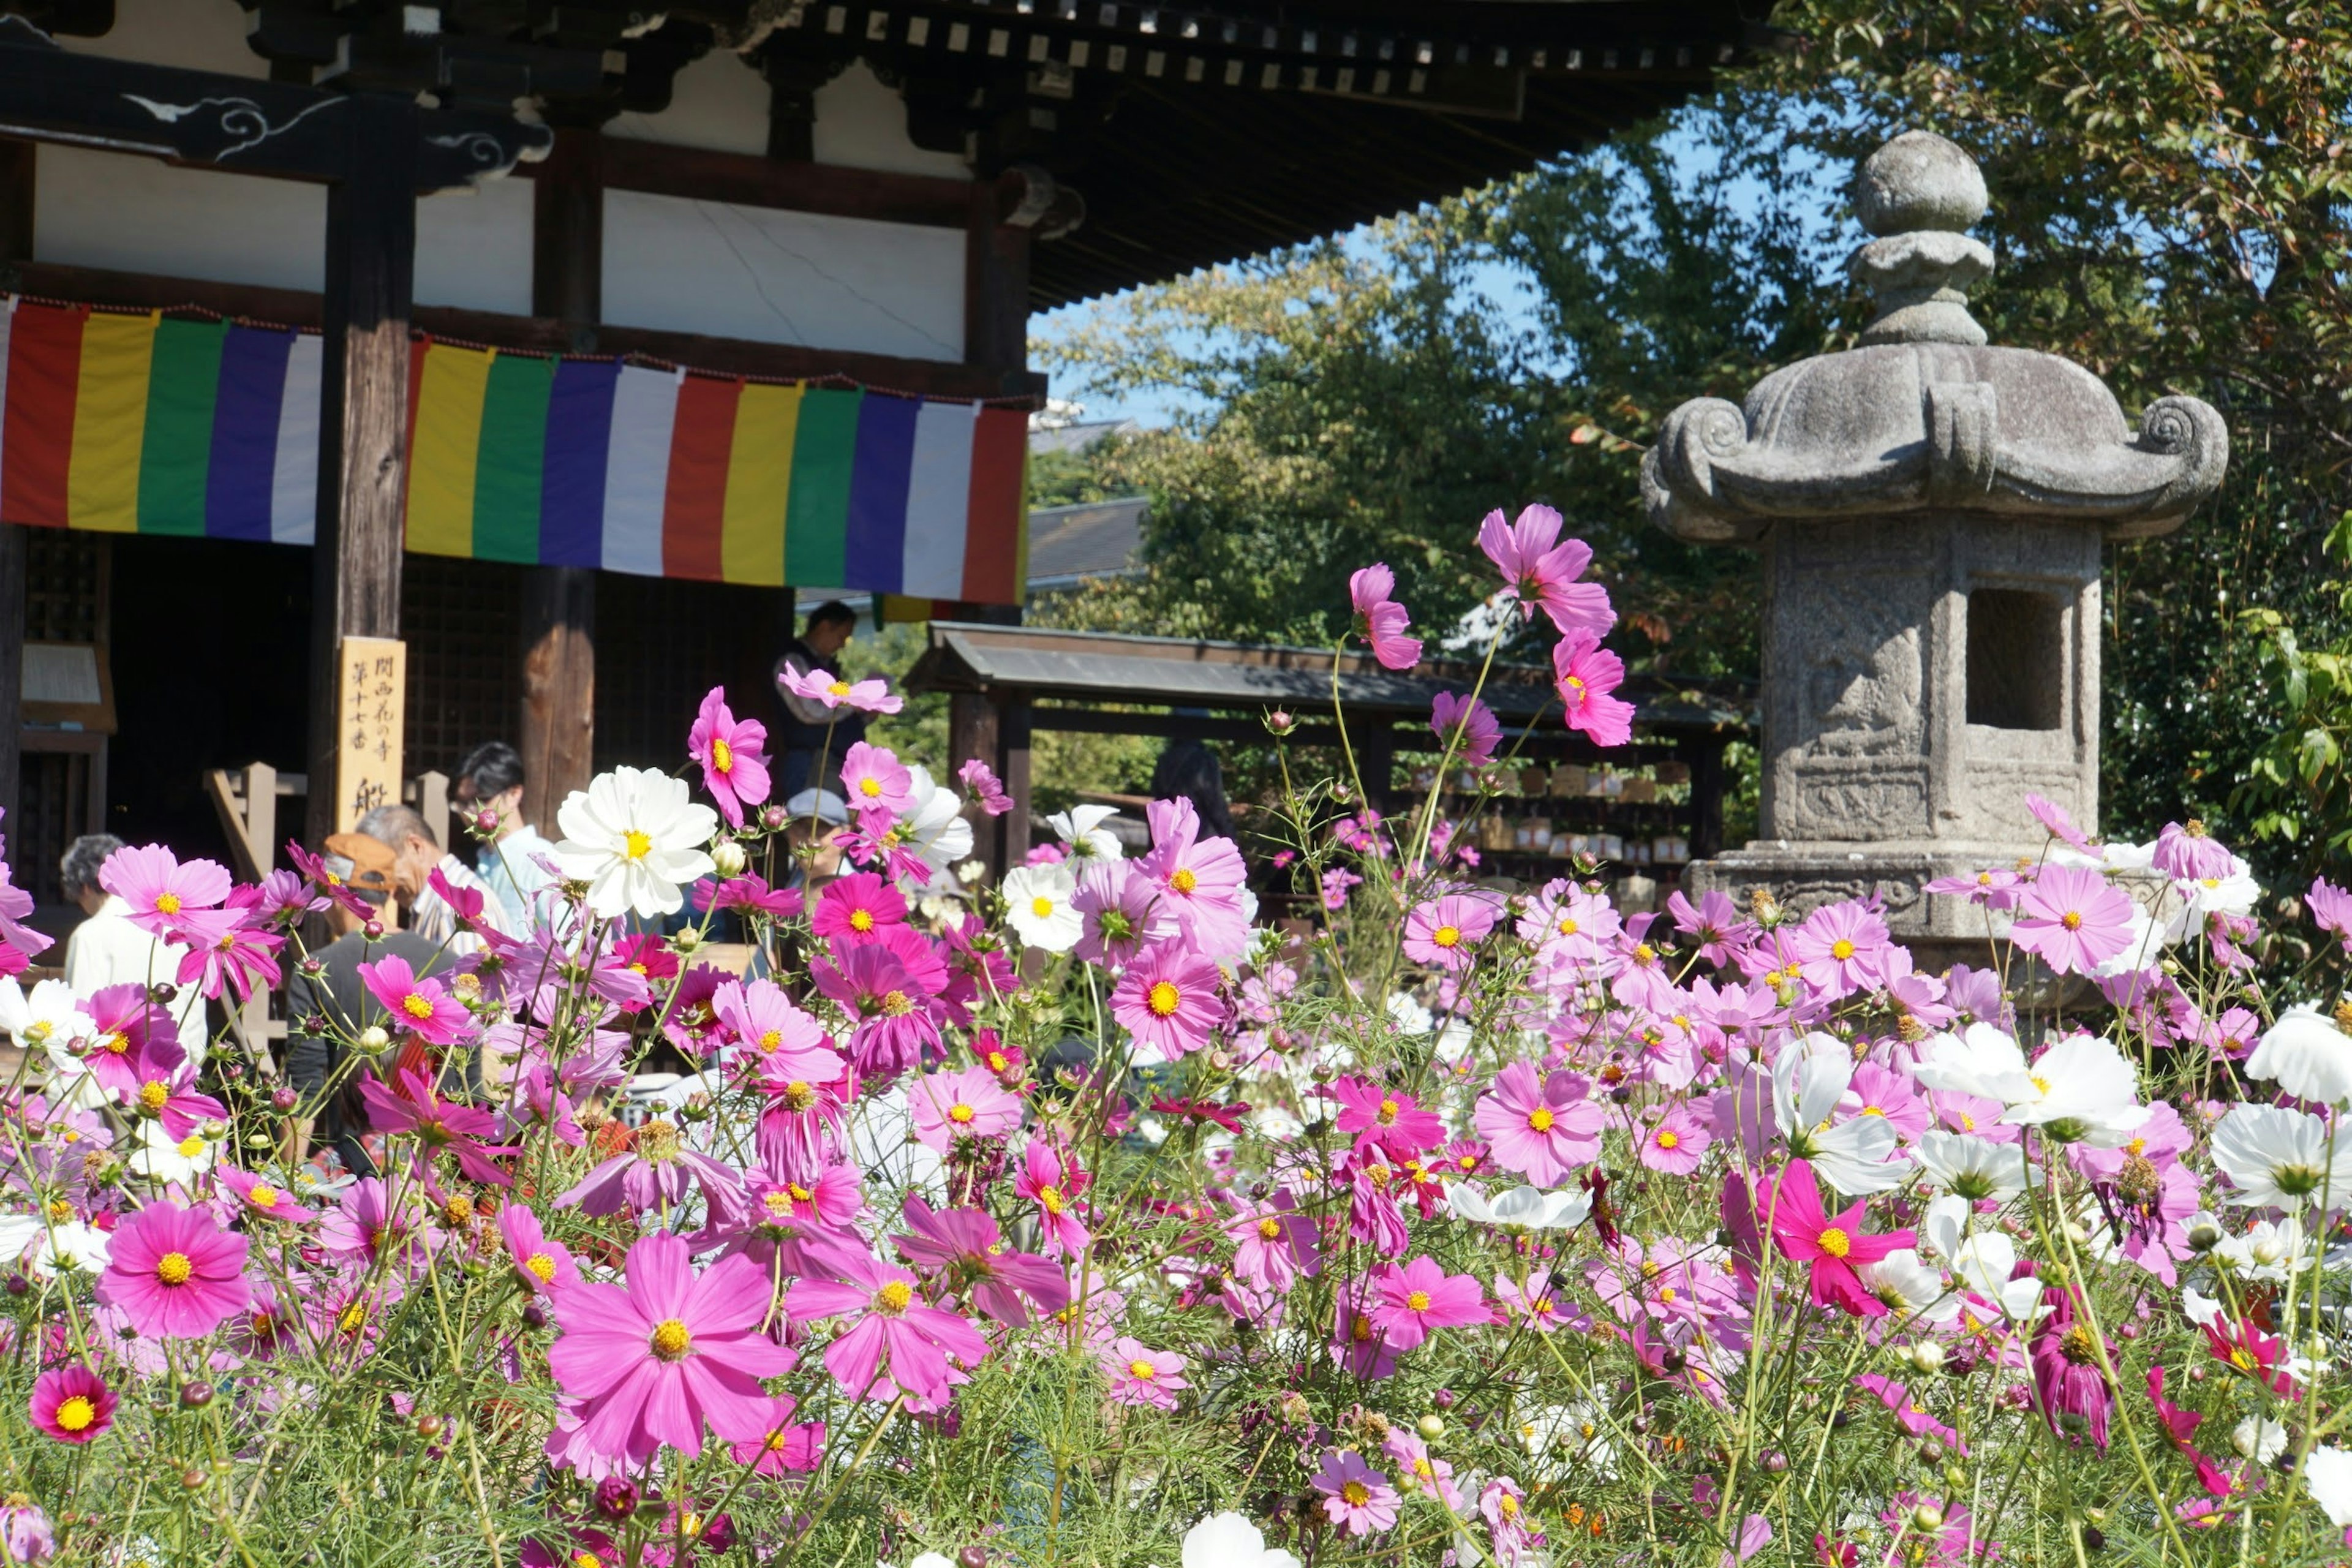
371,713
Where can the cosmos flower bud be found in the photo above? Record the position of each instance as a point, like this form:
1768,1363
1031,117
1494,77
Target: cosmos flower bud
1279,722
727,856
373,1039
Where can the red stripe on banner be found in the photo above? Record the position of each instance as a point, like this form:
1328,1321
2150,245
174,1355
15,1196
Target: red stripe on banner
693,512
37,433
992,542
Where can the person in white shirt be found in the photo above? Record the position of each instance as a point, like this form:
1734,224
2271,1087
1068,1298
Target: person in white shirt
107,949
490,780
416,854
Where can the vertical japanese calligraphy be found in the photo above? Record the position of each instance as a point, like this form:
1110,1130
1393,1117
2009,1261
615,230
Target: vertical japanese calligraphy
370,712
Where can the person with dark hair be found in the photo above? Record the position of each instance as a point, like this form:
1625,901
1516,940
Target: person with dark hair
810,729
106,949
417,853
489,781
1187,770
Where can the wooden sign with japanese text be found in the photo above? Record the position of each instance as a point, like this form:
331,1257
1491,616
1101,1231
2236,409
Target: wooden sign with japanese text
370,712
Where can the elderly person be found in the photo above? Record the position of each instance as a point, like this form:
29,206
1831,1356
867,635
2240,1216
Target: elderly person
106,949
416,854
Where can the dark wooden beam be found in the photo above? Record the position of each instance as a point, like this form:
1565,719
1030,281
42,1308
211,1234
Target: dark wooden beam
17,199
12,679
996,286
363,413
296,308
700,173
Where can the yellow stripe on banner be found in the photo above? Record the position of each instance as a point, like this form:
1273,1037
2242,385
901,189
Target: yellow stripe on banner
758,484
110,422
447,444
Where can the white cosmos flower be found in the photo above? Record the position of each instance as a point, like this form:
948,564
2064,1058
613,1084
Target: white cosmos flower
2306,1055
1577,1432
1971,1168
933,824
1856,1156
2259,1438
1980,1060
1521,1208
1082,829
2079,1091
637,838
50,1020
1983,1259
1909,1288
71,1245
1229,1540
2271,1249
163,1159
2327,1471
1038,905
2282,1158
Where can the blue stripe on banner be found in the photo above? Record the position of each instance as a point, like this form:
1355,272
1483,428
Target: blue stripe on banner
246,417
571,480
874,559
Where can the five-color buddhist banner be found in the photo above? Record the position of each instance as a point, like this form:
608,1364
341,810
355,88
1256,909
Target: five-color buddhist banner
145,423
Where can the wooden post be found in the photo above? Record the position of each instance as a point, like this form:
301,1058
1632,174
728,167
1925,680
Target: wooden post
1013,720
558,725
996,286
15,245
971,732
16,194
364,415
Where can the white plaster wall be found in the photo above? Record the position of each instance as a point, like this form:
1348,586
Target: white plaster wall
201,34
717,102
473,246
862,123
137,214
783,277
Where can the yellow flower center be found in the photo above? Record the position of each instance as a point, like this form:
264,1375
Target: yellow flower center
352,1319
2041,1085
1540,1119
871,788
1356,1493
2070,921
1041,906
76,1413
1446,936
539,1267
1835,1242
417,1006
1184,881
1270,1229
960,1113
116,1044
722,756
1842,949
896,1004
1163,999
1051,1198
1418,1302
167,903
770,1041
895,1296
995,1062
1142,1370
861,920
153,1094
1575,684
798,1097
173,1268
1669,1138
636,845
191,1146
1568,926
263,1195
670,1339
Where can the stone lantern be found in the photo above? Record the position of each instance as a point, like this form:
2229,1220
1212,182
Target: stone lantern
1931,512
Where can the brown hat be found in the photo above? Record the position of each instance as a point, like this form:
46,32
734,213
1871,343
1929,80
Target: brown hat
364,864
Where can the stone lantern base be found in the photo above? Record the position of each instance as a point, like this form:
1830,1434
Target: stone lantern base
1939,931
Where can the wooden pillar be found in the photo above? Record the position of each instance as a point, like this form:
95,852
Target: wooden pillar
15,245
17,191
1014,719
996,281
557,724
1705,758
363,416
971,732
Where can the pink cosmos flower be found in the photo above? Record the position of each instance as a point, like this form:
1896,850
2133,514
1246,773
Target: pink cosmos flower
656,1171
1357,1497
734,768
1169,998
655,1361
174,1273
748,894
779,1041
1120,912
1200,880
2053,816
1443,932
872,695
1586,674
789,1448
1466,725
414,1106
1910,1413
987,791
1142,1375
421,1007
230,949
1993,887
2331,910
2073,918
1415,1302
966,1103
2070,1390
1716,925
255,1198
1054,1182
1538,570
1380,620
1390,1118
964,1248
1677,1143
1835,1244
1274,1245
160,890
1543,1127
874,779
897,1344
2187,853
543,1267
855,907
72,1404
167,1088
1839,946
891,988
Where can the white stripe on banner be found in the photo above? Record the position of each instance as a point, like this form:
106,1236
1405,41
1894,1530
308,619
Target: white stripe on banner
294,479
8,320
939,500
637,469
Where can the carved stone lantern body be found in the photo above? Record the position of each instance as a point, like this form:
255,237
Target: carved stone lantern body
1931,512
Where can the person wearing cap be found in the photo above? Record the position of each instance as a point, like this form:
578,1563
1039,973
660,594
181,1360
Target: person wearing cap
817,819
417,853
326,1010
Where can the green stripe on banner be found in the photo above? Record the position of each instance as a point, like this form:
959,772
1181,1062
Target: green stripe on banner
512,456
176,452
816,515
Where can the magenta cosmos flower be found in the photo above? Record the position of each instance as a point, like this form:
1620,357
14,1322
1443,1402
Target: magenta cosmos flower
1839,946
2069,1387
1120,912
869,696
160,890
175,1274
898,1342
1586,674
856,907
1274,1244
1415,1302
1168,998
1380,619
1543,1127
1054,1182
412,1105
1835,1244
874,779
542,1267
1440,931
72,1404
890,987
1390,1118
965,1248
1466,725
1356,1496
968,1103
1142,1375
654,1361
1199,880
734,768
2072,919
421,1007
1538,570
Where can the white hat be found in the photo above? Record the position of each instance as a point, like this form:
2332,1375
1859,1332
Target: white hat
821,803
